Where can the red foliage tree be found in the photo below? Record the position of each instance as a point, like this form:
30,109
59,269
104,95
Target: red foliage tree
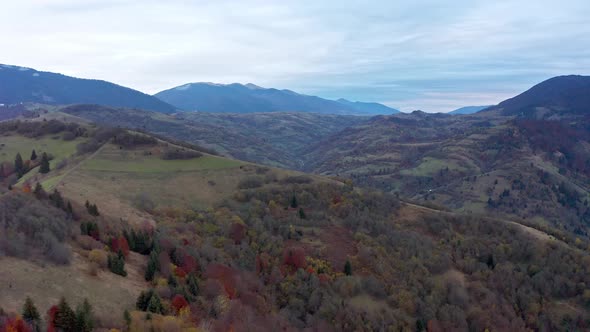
179,302
51,313
294,257
16,324
237,232
120,243
180,272
226,275
189,264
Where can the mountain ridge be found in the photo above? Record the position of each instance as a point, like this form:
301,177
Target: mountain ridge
251,98
22,84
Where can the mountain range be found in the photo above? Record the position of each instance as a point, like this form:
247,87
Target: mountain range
250,98
20,84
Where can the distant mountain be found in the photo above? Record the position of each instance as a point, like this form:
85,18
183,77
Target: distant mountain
250,98
468,110
19,84
368,108
561,95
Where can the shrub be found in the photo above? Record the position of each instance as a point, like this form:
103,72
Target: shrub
251,182
100,257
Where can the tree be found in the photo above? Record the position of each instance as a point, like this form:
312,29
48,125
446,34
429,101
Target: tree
302,214
152,267
178,303
84,319
294,202
19,166
117,264
348,268
44,168
127,318
65,318
193,284
155,305
33,155
31,314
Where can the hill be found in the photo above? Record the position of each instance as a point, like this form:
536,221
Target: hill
557,96
20,85
528,168
274,139
468,110
249,98
181,238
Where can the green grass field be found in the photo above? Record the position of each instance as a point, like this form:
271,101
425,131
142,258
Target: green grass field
58,148
430,166
151,164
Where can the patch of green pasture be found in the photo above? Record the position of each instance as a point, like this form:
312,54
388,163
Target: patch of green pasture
153,164
430,166
58,148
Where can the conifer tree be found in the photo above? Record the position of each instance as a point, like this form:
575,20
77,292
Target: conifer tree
65,318
44,168
19,166
294,202
348,268
31,314
193,284
33,155
84,319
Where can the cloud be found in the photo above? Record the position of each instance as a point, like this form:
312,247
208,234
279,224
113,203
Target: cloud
428,54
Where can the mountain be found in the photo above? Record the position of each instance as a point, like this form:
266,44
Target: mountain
250,98
468,110
557,96
368,108
19,84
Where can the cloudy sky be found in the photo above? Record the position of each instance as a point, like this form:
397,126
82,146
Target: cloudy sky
432,55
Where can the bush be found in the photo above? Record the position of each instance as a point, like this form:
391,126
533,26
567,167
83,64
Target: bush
251,183
180,154
299,179
100,257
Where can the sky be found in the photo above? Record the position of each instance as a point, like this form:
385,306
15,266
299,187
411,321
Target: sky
431,55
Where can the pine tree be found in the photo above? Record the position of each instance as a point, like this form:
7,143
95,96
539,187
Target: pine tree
31,314
193,284
348,268
19,166
84,319
1,170
302,213
294,202
33,155
65,318
70,209
155,305
151,269
44,168
127,318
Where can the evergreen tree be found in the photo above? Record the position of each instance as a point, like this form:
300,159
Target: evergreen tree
69,209
1,170
155,305
294,202
84,319
65,318
348,268
302,214
193,284
39,191
127,318
117,264
19,166
44,168
31,314
151,268
172,282
33,155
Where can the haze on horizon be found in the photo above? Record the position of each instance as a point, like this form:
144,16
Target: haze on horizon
453,54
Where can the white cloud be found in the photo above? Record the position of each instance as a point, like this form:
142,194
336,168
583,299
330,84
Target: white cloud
399,52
